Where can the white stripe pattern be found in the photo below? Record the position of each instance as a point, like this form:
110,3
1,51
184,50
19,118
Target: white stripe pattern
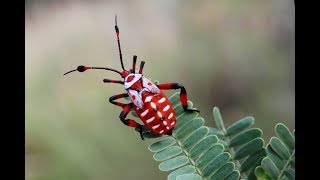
165,123
172,123
150,120
167,127
161,131
166,108
153,105
170,116
144,112
156,126
162,100
148,99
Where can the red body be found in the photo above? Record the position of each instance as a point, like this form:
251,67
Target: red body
150,103
158,113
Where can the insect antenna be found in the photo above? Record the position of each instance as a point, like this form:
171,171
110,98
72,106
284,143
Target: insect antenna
117,32
84,68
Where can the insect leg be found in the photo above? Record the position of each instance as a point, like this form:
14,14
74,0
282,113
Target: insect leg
112,81
183,94
141,67
130,122
118,96
134,64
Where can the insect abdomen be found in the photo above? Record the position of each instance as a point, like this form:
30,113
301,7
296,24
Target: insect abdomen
158,114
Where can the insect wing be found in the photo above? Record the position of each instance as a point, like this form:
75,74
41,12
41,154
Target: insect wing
150,86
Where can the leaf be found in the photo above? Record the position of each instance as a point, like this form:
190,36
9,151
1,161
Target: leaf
249,148
173,163
167,153
285,135
280,160
252,160
215,164
195,137
189,177
203,146
216,132
240,126
245,137
273,156
224,171
188,128
270,168
218,119
261,174
246,140
162,144
188,169
233,176
212,153
279,148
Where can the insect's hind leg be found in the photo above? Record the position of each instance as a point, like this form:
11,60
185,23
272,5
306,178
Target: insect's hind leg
183,94
130,122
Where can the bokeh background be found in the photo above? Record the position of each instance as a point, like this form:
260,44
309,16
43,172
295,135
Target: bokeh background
236,55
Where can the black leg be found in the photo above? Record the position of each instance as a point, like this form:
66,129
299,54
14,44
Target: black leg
130,122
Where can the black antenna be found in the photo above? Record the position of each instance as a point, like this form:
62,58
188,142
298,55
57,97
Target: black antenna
84,68
117,32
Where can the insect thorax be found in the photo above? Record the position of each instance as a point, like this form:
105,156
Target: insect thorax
135,85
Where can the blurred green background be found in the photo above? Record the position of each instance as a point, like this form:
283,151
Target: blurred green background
236,55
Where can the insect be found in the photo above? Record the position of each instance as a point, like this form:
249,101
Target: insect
147,99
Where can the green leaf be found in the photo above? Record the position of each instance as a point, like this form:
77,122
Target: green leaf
216,132
184,119
162,144
270,168
245,137
249,148
274,157
195,137
279,148
218,119
167,153
261,174
215,164
252,160
189,177
173,163
203,146
212,153
188,169
189,128
179,109
289,174
240,126
224,171
233,176
285,136
175,99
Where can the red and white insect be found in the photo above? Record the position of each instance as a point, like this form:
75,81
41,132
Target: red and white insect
149,102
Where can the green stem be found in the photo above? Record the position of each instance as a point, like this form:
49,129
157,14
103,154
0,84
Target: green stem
187,154
286,165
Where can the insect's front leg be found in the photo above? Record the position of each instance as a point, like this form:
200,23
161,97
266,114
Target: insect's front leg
183,94
130,122
125,110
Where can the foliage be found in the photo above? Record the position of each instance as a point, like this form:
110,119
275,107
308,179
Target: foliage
195,151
